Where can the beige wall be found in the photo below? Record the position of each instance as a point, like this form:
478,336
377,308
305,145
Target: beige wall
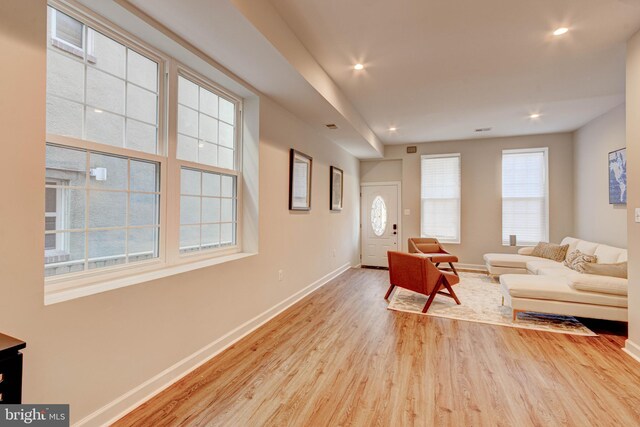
381,171
91,350
594,218
481,212
633,198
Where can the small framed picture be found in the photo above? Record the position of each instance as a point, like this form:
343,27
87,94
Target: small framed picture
299,181
618,177
336,187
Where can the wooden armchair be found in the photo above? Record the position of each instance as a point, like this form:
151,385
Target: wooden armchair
417,273
432,249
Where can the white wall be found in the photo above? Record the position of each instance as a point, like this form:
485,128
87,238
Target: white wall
481,197
633,197
594,218
91,350
381,171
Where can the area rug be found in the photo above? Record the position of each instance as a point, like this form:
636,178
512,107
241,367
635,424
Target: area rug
482,303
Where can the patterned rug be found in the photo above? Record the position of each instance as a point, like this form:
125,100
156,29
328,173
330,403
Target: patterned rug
482,302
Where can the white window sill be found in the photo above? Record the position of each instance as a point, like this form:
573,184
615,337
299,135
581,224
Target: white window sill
54,296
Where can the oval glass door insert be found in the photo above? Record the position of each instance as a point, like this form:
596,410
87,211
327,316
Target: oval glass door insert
378,216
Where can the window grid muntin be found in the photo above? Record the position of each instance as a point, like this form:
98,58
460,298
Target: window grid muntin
87,63
234,212
201,83
87,189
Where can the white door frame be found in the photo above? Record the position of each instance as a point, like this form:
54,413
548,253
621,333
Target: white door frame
398,184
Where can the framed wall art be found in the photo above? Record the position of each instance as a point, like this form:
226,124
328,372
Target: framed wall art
336,186
300,166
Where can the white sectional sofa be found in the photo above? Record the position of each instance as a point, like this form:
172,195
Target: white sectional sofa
541,285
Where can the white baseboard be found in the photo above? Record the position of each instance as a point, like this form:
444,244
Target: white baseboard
124,404
632,349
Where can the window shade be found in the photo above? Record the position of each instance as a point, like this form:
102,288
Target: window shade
440,196
525,210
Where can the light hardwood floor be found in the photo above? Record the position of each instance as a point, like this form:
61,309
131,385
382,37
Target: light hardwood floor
340,358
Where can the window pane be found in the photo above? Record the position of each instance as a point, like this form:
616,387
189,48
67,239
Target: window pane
105,92
187,148
189,238
115,171
226,135
64,117
208,102
65,77
69,258
228,186
227,111
142,71
141,104
104,127
107,209
210,184
65,208
440,194
143,209
208,129
143,244
110,56
225,158
189,210
207,153
211,235
144,176
226,234
141,136
190,182
187,93
187,121
66,166
226,209
210,209
106,248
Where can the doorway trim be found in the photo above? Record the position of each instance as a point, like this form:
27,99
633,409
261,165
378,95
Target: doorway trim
398,184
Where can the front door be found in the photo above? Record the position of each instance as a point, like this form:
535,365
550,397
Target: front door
379,208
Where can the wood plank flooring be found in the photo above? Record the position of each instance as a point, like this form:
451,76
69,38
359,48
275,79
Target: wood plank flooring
340,358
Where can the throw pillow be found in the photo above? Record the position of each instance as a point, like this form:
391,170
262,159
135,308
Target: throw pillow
612,270
576,260
550,251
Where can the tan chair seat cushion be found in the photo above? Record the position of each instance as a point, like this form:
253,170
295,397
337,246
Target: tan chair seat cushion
599,284
554,288
509,260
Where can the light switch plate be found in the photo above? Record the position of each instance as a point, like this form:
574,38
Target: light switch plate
637,214
407,211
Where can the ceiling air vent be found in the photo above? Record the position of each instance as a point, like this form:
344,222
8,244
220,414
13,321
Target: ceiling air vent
483,129
331,126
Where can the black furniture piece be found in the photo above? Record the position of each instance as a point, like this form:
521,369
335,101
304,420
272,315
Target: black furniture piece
10,370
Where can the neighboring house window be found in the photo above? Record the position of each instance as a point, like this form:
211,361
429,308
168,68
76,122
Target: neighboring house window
525,196
130,188
440,194
207,142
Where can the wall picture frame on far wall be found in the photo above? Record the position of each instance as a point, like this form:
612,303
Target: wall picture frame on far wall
618,177
300,168
336,186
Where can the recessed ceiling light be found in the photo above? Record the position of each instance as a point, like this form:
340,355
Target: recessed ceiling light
560,31
97,110
534,116
358,67
392,129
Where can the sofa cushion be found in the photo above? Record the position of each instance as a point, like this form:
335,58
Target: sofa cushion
508,260
559,271
572,242
611,270
588,248
555,288
600,284
610,255
534,266
550,251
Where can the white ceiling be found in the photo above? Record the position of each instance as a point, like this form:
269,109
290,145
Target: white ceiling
439,69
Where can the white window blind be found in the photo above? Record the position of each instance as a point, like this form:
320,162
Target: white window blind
525,204
441,197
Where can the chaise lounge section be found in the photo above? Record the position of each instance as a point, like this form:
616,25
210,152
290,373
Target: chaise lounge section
541,285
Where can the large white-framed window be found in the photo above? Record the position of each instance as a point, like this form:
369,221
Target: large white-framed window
440,197
525,196
143,159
